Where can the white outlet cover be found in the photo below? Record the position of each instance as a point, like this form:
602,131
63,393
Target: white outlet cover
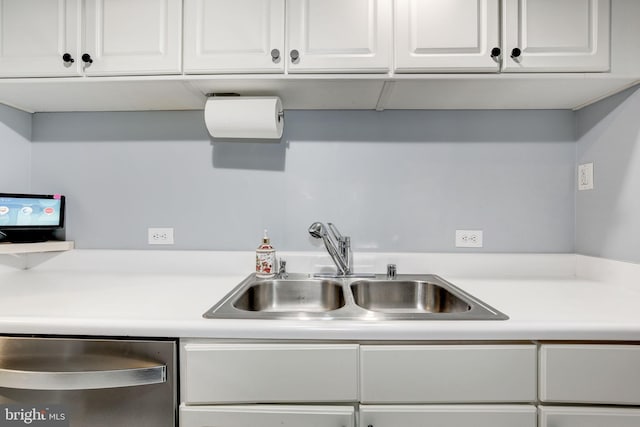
160,236
585,176
468,238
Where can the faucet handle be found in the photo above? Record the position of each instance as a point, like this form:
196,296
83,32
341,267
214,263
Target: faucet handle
282,269
391,271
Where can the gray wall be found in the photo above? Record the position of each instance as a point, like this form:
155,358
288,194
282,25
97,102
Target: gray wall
608,217
15,150
393,180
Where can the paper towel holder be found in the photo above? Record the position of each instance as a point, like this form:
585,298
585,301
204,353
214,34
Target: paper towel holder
230,94
232,116
211,94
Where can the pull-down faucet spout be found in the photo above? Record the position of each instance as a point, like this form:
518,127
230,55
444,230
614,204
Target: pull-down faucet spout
338,246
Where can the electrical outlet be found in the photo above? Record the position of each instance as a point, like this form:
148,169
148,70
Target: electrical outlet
585,176
468,238
160,236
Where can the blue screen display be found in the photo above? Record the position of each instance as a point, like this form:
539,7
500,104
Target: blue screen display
30,212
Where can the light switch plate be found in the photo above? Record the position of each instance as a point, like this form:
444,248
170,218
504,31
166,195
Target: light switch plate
585,176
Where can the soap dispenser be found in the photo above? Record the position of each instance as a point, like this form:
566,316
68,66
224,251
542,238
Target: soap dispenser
265,259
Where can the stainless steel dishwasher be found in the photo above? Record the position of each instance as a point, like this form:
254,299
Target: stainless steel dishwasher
87,382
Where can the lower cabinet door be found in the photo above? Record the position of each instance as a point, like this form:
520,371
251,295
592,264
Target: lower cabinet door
590,373
447,415
216,373
441,374
567,416
267,416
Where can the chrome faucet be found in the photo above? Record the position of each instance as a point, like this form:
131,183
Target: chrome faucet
338,246
282,269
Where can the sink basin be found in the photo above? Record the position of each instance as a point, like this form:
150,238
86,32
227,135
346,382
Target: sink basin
301,296
291,295
406,296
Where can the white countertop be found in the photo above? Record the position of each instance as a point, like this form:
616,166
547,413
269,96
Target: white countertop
546,297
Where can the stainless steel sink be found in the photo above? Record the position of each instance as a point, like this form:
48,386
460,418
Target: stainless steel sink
277,296
301,296
406,296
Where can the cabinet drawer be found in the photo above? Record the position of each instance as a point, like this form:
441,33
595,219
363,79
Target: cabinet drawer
266,416
448,373
590,374
448,415
252,373
566,416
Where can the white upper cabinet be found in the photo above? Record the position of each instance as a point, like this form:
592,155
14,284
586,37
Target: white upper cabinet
341,36
314,54
40,38
556,36
132,37
35,35
240,36
50,38
322,36
447,35
537,36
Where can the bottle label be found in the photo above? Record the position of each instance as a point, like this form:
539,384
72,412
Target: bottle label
265,263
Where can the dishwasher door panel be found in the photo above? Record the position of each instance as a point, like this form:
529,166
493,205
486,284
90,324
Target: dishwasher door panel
93,382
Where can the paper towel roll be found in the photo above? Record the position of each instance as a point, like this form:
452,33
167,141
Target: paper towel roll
244,117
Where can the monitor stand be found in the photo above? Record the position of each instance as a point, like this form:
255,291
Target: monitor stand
26,236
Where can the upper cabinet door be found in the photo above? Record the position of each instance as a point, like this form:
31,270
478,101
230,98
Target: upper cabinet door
556,36
447,35
341,36
240,36
132,37
35,35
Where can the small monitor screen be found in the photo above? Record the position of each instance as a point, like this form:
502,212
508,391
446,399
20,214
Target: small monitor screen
27,211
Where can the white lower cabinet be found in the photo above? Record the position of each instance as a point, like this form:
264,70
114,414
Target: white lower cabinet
447,415
268,373
590,373
595,374
448,373
267,416
300,384
567,416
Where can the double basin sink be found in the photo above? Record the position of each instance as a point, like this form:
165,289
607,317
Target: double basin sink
406,297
